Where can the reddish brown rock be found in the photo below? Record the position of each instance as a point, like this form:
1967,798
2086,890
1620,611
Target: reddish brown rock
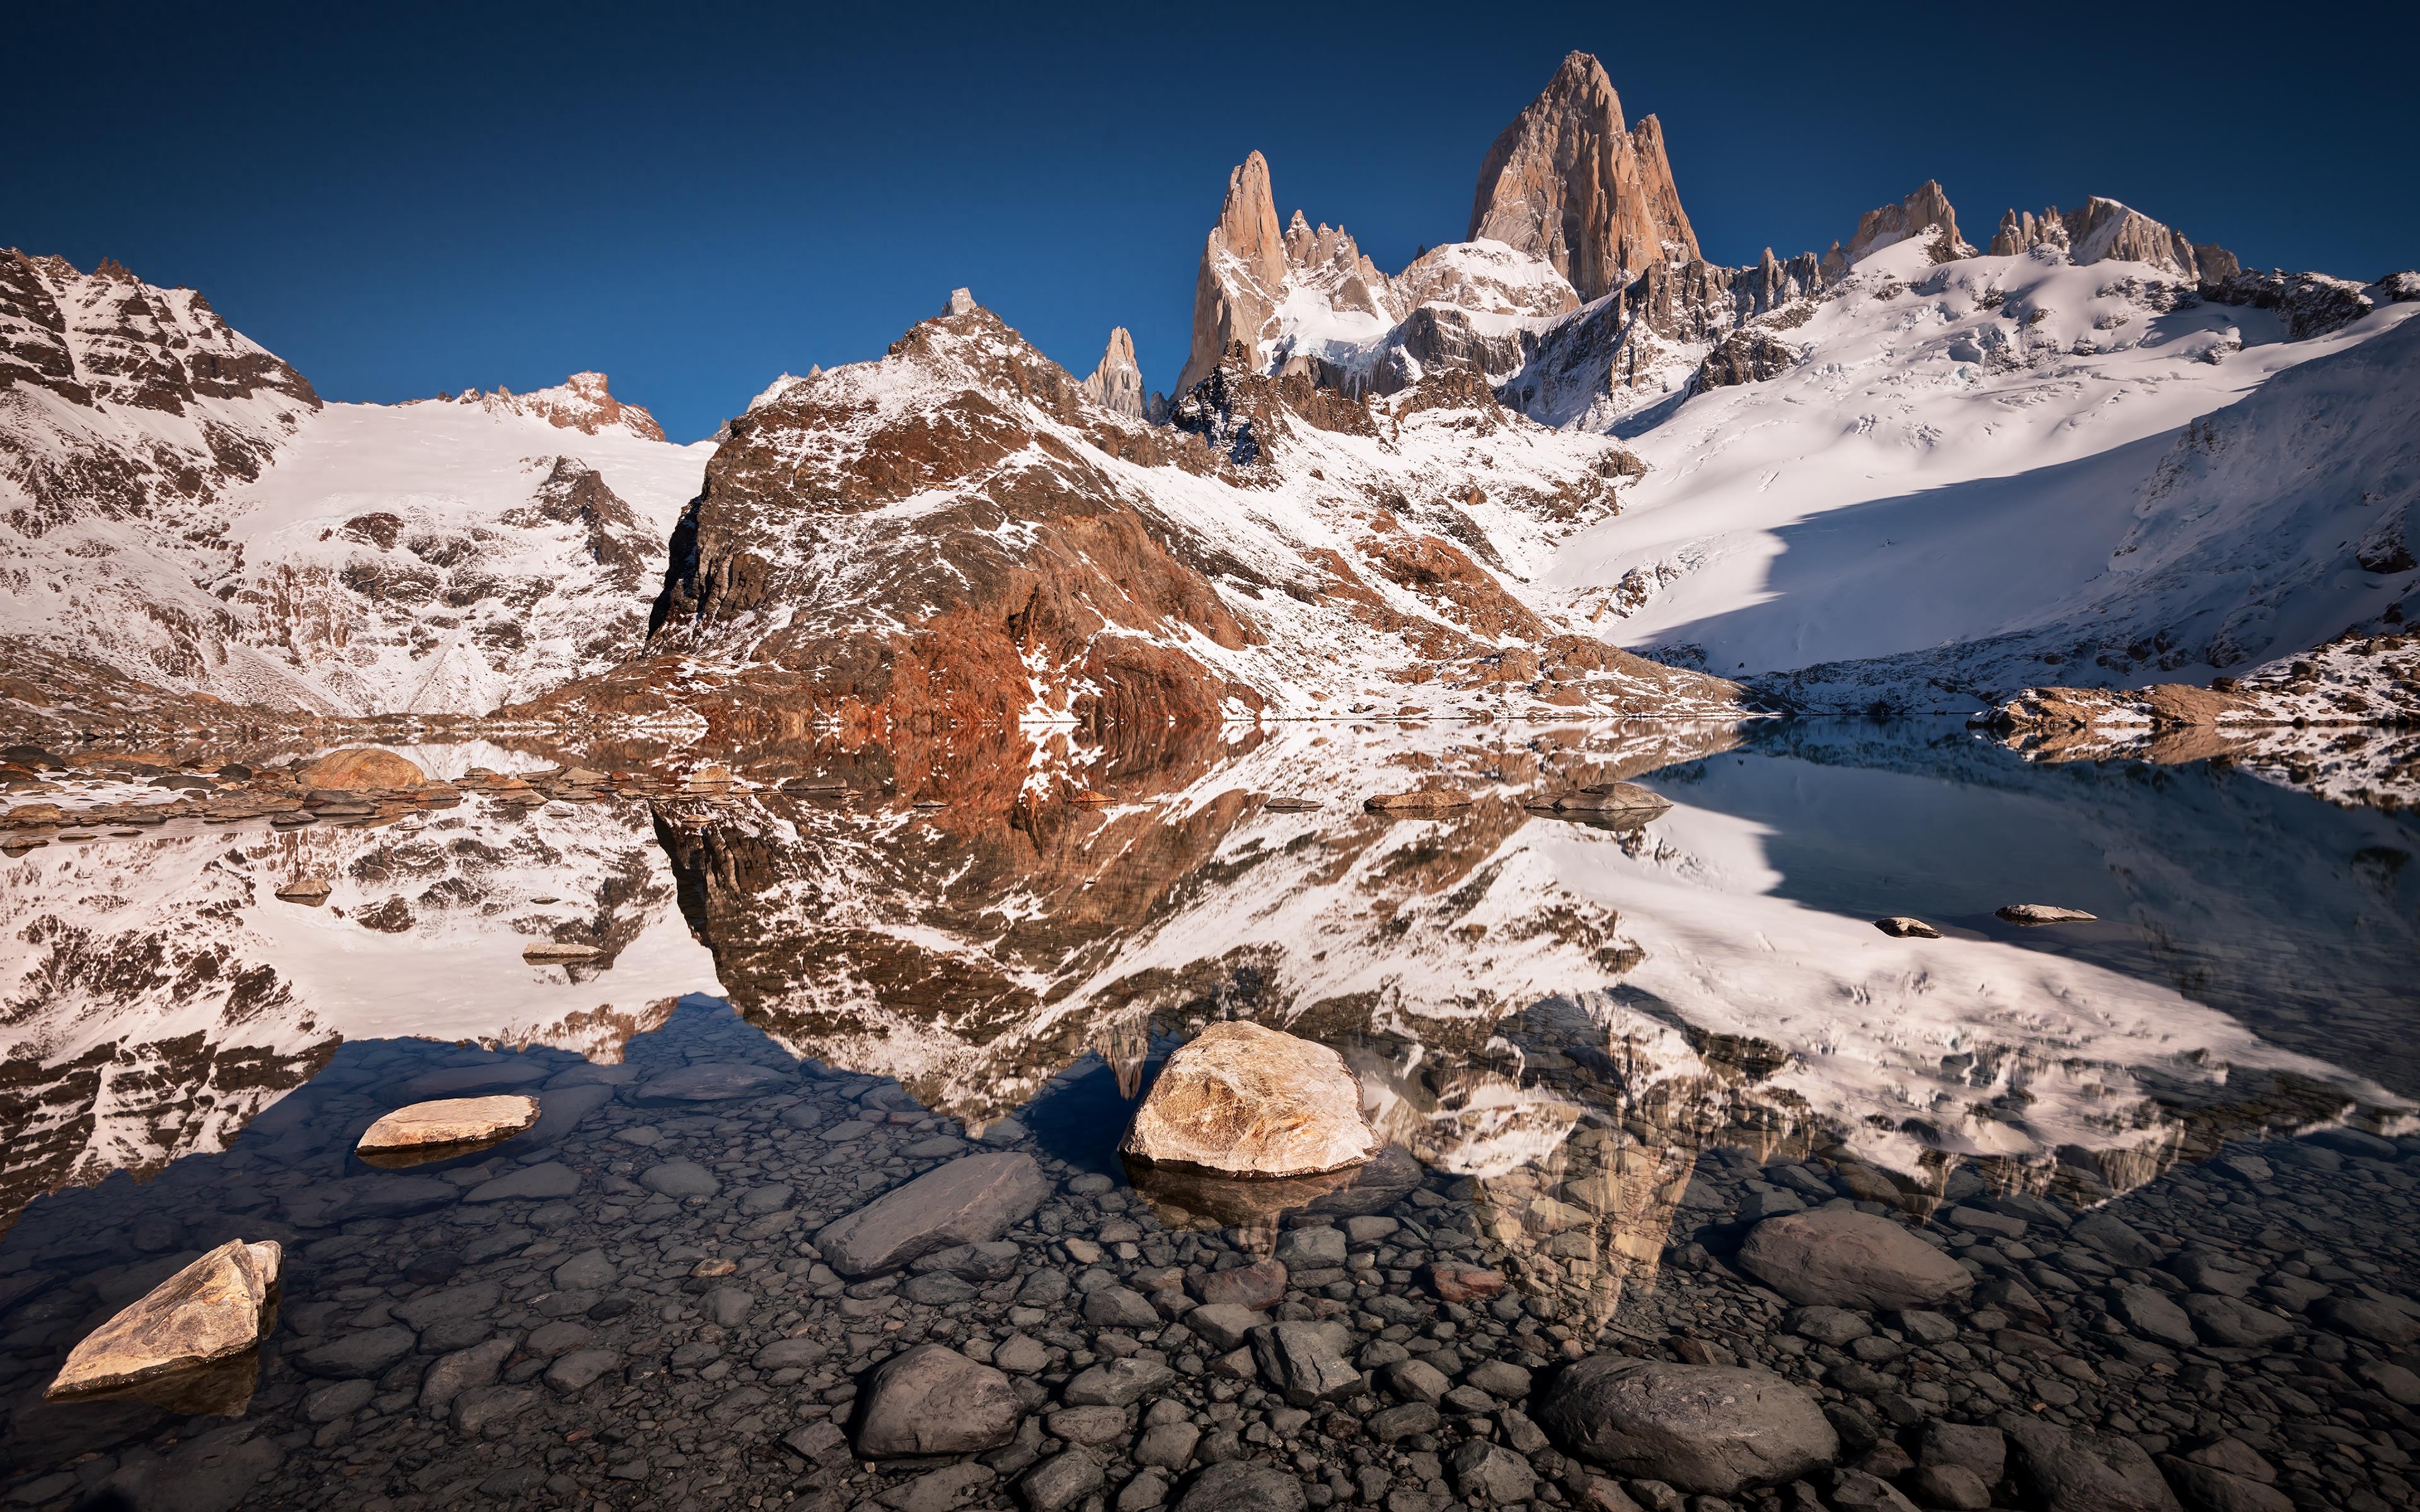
361,769
1463,1283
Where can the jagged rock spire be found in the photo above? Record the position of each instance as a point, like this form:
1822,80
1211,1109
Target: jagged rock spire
1117,382
1243,271
2103,230
1569,182
1927,213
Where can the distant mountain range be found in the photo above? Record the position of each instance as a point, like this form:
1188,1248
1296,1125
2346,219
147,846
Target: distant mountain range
1563,467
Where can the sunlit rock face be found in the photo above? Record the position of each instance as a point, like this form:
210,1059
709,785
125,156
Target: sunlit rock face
157,995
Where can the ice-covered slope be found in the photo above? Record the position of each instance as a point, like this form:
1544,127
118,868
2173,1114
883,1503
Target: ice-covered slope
178,506
2002,470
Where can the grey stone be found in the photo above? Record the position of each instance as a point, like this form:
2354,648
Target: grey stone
1953,1487
968,1201
551,1340
2222,1276
729,1307
1243,1485
710,1082
1119,1307
580,1366
994,1261
1261,1285
1223,1323
2075,1471
1022,1355
2151,1312
932,1400
483,1407
2224,1321
1302,1362
1417,1381
1983,1451
1491,1474
550,1180
679,1179
1499,1378
342,1400
790,1354
1707,1428
585,1271
366,1353
1115,1383
1842,1257
1060,1481
2114,1237
462,1370
939,1491
1169,1445
757,1202
1857,1491
1402,1421
1148,1490
1311,1249
2214,1490
1089,1425
2376,1322
1835,1326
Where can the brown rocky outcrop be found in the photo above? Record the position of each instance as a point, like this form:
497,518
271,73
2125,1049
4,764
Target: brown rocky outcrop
1247,1101
1242,278
1568,182
1745,356
2102,230
1925,213
1116,384
581,402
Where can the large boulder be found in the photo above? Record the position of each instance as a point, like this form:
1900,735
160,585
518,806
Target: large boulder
968,1201
1247,1101
1841,1258
456,1120
933,1400
2077,1471
213,1309
1714,1430
353,771
1243,1485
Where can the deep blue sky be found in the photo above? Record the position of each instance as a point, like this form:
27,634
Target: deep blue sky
695,199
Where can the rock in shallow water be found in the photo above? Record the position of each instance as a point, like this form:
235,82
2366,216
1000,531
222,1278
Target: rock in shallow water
1902,927
213,1309
968,1201
1249,1101
932,1400
2044,914
1708,1428
1841,1258
459,1120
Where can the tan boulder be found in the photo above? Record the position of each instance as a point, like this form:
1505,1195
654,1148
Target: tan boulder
1926,213
454,1121
1249,1101
214,1308
1116,384
1242,278
1419,801
352,771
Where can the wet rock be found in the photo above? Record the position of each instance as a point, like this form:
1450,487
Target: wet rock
2114,1237
2225,1322
1088,1425
1115,1383
1223,1323
2043,914
1168,1445
2075,1471
2361,1317
679,1179
1261,1285
939,1491
213,1309
573,1371
2149,1311
1982,1452
588,1270
560,954
309,891
1854,1491
359,770
933,1400
1303,1363
461,1121
1491,1474
1707,1428
710,1082
1247,1101
1119,1307
1842,1257
1311,1249
2208,1488
1623,803
462,1370
480,1410
1060,1481
1953,1487
968,1201
342,1399
530,1183
366,1353
1243,1485
1902,927
1455,1282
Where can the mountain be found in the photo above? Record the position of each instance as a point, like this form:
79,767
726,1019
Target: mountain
178,508
959,532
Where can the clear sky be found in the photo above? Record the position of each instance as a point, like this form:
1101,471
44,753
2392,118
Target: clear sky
404,199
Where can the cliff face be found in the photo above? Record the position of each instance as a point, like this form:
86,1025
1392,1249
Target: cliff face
1568,182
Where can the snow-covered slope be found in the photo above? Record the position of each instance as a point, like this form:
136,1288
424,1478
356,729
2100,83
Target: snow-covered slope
2010,470
176,506
160,995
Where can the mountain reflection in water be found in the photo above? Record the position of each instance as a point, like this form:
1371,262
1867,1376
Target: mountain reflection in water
1560,1013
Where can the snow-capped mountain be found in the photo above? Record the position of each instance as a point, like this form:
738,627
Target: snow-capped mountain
178,507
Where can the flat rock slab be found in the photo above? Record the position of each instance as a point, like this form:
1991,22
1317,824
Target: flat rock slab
551,1180
968,1201
1841,1258
1242,1100
457,1120
2044,914
361,1355
1711,1429
470,1081
680,1179
721,1081
213,1309
1898,926
933,1400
